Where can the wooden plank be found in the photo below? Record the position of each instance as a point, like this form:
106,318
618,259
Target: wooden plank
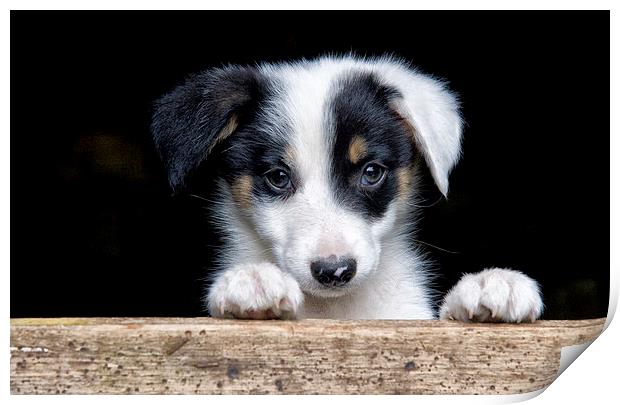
209,356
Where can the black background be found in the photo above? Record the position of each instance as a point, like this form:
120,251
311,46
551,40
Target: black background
96,232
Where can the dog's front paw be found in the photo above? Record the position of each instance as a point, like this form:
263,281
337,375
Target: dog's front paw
255,291
493,295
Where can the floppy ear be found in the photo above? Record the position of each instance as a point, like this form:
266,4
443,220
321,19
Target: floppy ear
192,119
431,112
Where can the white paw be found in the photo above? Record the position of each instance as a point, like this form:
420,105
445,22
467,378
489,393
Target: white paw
493,295
255,291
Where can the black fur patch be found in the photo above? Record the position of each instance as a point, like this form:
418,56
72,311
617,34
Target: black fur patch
361,108
187,121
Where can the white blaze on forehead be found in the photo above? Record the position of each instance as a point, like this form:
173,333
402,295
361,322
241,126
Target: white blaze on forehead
305,100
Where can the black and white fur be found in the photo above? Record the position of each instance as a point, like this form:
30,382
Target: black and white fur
319,126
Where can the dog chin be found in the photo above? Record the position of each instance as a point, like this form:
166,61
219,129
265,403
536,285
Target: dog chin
329,292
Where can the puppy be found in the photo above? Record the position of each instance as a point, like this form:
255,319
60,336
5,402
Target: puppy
318,163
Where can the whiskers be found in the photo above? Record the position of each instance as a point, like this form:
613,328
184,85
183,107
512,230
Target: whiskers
436,247
201,198
427,206
217,202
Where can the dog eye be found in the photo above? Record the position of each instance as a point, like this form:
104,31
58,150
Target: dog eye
372,175
278,179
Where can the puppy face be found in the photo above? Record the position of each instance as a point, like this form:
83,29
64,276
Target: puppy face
324,188
319,157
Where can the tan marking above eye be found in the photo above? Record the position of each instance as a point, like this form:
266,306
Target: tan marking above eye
289,156
357,149
228,129
242,191
404,180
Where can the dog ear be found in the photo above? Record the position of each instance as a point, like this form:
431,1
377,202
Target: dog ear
431,114
191,120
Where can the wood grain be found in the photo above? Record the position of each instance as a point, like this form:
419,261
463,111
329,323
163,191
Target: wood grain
209,356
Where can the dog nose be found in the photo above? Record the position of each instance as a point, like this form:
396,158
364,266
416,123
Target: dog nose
333,271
